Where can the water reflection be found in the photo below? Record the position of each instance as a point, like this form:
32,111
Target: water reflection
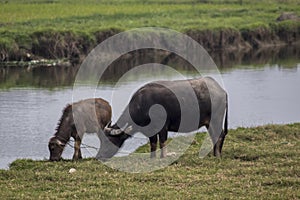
38,77
61,76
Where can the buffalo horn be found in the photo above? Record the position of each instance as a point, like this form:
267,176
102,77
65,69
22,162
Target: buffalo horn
60,143
124,127
128,129
106,128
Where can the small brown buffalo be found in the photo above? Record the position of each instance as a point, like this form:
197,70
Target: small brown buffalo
86,116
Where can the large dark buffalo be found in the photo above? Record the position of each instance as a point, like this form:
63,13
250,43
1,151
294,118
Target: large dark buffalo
187,106
86,116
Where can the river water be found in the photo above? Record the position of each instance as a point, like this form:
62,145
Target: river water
32,99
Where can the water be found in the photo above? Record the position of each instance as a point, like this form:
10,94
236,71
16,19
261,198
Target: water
32,103
269,95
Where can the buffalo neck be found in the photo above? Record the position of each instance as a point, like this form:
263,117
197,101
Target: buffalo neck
65,127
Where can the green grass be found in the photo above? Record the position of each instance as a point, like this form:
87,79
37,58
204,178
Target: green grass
54,29
20,19
257,163
179,15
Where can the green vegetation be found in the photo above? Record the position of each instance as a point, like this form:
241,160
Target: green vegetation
257,163
88,16
22,22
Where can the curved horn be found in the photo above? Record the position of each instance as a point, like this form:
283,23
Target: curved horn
124,127
57,141
60,143
107,127
128,129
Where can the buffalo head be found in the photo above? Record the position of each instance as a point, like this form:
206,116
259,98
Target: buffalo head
56,148
112,140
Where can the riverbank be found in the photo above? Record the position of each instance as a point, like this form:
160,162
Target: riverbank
59,74
69,30
257,163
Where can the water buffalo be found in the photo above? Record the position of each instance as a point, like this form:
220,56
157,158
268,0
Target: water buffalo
86,116
187,106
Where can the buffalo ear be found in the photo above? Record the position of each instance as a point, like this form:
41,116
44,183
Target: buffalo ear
128,129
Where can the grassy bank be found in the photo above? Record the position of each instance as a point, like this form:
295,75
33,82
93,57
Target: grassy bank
257,163
60,28
88,16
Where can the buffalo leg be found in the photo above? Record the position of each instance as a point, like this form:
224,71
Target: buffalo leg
153,145
224,132
213,132
163,136
215,129
220,142
77,152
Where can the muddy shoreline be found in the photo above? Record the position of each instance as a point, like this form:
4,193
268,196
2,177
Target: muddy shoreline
74,47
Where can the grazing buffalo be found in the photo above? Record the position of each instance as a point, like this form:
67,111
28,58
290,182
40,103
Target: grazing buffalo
86,116
178,106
